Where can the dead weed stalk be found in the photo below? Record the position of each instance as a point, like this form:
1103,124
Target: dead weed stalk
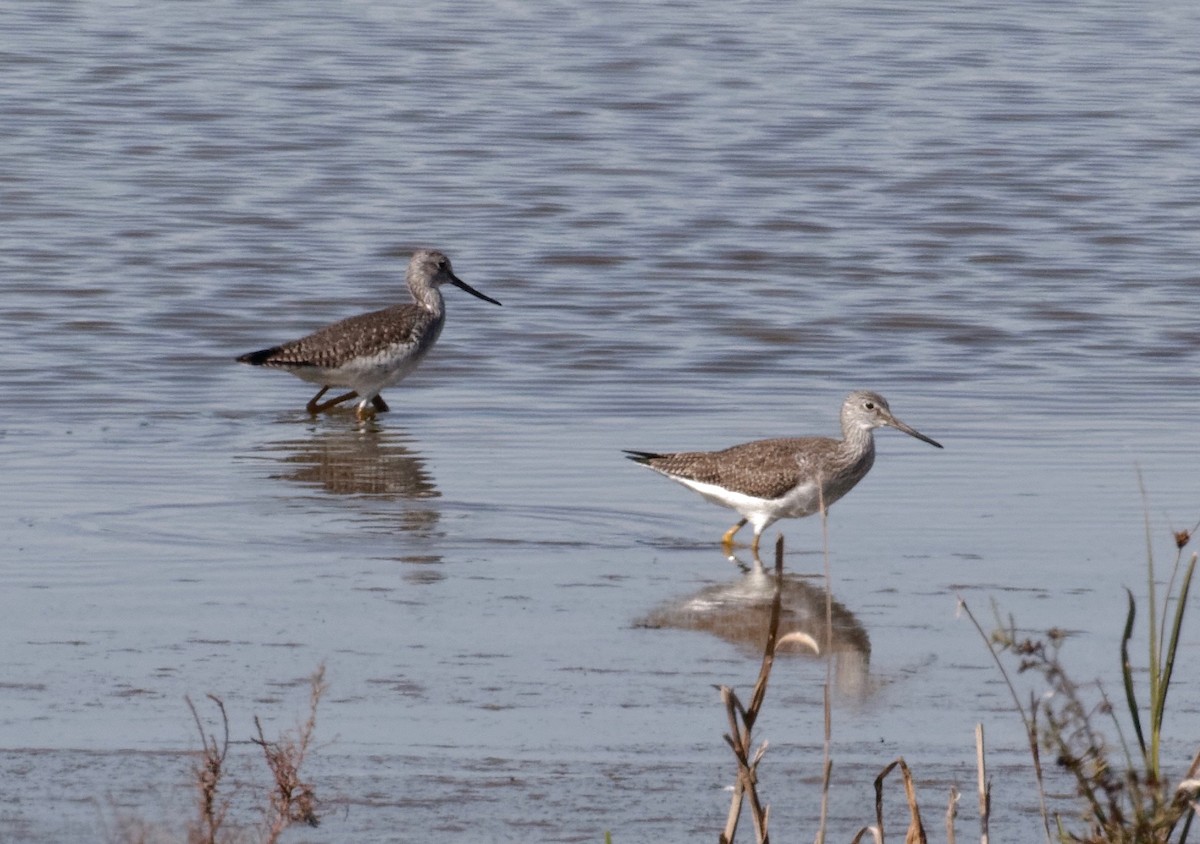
916,830
1124,797
741,723
292,800
208,773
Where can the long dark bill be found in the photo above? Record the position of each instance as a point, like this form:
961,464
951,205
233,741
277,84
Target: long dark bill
458,282
913,432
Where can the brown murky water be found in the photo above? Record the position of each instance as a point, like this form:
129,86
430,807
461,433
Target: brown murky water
707,223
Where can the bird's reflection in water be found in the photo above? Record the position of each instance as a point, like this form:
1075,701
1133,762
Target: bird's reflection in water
740,613
367,463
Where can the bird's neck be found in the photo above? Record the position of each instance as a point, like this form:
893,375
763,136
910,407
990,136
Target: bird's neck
858,441
429,298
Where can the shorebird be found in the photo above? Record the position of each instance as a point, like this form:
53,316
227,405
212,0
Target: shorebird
372,351
768,480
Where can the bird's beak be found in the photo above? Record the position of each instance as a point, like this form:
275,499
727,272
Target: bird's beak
458,282
912,432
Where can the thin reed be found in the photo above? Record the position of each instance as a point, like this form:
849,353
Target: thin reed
741,724
1124,796
290,800
207,774
827,704
739,738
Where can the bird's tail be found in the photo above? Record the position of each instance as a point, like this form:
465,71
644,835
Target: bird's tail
258,358
643,457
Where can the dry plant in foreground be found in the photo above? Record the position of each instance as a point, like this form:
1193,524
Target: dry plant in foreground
1133,803
1124,796
916,830
208,772
741,722
291,800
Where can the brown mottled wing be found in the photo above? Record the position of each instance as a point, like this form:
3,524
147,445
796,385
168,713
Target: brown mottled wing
334,344
763,468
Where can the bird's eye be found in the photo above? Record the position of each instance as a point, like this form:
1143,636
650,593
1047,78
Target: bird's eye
869,405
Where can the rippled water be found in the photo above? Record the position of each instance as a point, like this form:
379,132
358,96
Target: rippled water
707,223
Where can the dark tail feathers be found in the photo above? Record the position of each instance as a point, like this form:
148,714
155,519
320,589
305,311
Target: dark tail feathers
643,457
258,358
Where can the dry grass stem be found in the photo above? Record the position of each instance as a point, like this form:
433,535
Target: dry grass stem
951,814
984,786
827,765
741,724
208,773
292,800
1028,718
874,832
1123,795
915,833
916,829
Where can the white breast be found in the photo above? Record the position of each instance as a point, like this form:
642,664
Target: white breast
760,512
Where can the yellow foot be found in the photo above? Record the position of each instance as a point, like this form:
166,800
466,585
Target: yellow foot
727,539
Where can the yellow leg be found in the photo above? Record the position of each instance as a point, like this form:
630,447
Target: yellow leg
368,412
365,413
754,546
314,407
727,539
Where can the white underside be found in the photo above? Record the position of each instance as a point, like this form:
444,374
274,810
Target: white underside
367,376
761,513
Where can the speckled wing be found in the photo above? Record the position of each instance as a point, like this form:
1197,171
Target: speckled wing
765,469
357,336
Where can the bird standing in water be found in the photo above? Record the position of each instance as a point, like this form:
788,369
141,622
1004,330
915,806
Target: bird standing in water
768,480
370,352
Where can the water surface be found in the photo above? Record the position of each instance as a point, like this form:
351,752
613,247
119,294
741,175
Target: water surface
707,223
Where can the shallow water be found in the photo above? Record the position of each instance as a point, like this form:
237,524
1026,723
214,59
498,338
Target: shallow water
707,223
